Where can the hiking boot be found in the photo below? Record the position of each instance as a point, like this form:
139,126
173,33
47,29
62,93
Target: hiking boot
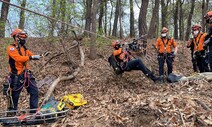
153,77
161,79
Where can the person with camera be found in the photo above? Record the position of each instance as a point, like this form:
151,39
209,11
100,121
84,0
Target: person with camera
164,46
20,74
196,43
126,62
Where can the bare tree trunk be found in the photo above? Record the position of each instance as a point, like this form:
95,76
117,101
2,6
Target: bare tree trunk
120,21
154,21
63,14
22,15
101,14
3,19
93,36
105,25
117,13
88,16
176,20
203,14
142,18
189,20
207,4
111,15
132,20
53,14
181,21
164,13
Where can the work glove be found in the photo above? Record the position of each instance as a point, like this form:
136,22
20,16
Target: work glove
173,54
35,57
45,54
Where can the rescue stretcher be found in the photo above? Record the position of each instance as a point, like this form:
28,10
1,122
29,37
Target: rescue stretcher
24,117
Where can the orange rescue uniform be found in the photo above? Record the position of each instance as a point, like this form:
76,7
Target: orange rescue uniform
165,45
199,41
17,61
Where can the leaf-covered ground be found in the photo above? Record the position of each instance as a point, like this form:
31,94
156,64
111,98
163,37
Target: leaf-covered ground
125,101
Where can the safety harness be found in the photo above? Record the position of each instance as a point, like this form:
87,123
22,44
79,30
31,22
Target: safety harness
196,43
26,73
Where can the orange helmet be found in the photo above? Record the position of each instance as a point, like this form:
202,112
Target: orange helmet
116,43
196,27
164,30
20,33
208,17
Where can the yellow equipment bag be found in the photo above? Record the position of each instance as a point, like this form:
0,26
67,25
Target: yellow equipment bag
72,101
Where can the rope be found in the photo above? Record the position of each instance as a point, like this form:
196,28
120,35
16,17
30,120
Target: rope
27,77
54,19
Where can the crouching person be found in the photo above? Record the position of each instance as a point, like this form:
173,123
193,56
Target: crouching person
125,62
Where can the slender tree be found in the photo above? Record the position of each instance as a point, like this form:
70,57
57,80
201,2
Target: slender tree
188,30
53,15
164,13
142,18
110,19
120,20
181,20
62,15
88,16
203,14
3,18
115,23
154,20
132,20
176,19
101,14
93,29
22,15
105,25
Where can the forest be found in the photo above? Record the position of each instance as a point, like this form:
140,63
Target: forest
75,39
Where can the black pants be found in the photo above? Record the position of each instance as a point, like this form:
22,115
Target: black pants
137,64
169,61
202,65
17,83
210,57
194,62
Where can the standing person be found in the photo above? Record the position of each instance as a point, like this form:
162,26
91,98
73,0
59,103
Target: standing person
208,38
126,62
196,43
190,45
164,46
20,75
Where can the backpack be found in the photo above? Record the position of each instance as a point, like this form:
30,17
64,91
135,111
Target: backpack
174,78
116,67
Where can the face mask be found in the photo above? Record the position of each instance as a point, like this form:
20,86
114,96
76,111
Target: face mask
22,42
163,34
196,32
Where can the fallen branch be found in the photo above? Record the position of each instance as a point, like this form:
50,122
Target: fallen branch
62,78
75,45
203,105
181,116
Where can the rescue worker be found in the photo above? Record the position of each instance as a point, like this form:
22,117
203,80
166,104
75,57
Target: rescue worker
164,46
190,45
20,75
199,56
127,63
208,38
